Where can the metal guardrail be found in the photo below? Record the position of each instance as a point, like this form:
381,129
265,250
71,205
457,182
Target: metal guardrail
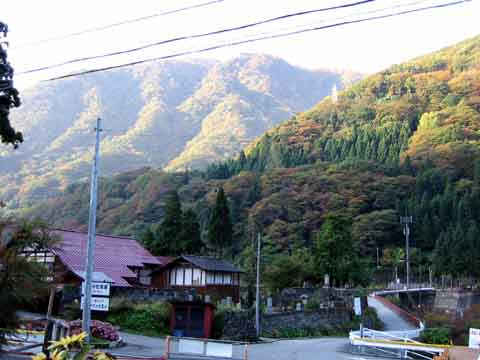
193,348
400,341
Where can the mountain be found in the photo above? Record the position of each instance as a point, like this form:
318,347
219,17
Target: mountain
405,141
177,115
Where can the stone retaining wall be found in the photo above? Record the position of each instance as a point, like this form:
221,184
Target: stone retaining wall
456,301
240,325
271,323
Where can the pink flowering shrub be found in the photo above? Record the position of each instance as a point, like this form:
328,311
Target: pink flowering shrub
99,329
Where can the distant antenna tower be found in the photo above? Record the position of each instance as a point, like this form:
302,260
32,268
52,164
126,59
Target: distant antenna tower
334,93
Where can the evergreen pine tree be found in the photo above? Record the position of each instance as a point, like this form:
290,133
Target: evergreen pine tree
168,233
154,241
190,239
220,228
472,252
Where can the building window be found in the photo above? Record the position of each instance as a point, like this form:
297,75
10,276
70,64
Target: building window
188,276
227,279
197,277
179,277
210,278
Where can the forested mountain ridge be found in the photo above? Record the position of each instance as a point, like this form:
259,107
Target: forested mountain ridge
175,114
403,141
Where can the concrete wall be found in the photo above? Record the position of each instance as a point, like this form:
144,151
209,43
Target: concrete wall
456,301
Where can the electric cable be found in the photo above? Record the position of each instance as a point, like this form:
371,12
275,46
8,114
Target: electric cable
105,27
269,37
196,36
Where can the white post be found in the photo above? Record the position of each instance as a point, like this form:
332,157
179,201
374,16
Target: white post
92,218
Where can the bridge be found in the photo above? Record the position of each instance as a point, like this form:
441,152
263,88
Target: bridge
403,290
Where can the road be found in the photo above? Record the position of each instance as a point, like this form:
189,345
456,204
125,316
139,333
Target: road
391,320
310,349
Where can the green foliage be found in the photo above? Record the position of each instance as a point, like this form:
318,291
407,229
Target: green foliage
178,233
218,324
289,270
199,112
401,142
9,96
440,336
220,225
335,255
22,281
190,234
151,319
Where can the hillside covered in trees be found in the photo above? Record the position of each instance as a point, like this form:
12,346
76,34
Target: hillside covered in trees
405,141
174,114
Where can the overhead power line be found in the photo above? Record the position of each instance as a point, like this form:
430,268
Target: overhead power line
269,37
196,36
125,22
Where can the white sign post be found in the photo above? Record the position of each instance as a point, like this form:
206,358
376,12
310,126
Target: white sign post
474,339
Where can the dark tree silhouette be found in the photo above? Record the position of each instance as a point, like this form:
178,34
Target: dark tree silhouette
220,230
8,94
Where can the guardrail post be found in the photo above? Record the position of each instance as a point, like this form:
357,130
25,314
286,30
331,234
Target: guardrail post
245,352
167,347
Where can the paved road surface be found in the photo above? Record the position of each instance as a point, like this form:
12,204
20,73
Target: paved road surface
391,320
311,349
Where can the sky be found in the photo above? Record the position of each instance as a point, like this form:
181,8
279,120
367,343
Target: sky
367,47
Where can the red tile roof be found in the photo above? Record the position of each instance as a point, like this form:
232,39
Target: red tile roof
113,255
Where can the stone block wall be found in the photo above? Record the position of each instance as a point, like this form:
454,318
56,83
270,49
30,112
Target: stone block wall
239,325
302,320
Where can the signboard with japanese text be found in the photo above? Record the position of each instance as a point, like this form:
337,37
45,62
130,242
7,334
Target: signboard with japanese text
98,303
98,289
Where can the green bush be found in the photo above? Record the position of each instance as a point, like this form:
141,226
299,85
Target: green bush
436,336
218,324
72,312
372,320
148,318
312,305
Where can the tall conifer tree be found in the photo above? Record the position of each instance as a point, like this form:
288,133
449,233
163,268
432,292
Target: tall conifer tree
220,228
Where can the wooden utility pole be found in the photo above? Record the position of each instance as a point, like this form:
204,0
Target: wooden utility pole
92,220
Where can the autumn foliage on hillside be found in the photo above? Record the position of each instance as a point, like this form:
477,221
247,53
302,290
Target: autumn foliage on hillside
403,141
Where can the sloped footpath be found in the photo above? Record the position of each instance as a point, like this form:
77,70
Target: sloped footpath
393,316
